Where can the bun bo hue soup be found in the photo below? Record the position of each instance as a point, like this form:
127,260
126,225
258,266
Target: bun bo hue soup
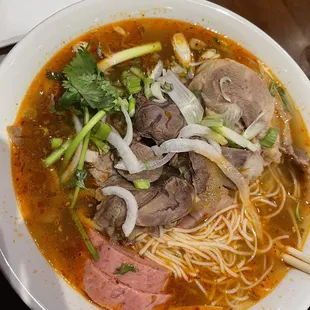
159,165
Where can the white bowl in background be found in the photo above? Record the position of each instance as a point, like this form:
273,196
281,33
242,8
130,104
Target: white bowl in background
28,271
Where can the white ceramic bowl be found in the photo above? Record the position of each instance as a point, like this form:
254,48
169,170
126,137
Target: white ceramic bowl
28,271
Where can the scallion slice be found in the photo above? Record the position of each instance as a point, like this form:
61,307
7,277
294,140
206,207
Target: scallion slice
271,137
142,184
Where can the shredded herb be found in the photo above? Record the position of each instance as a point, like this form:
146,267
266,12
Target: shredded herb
216,40
271,137
297,214
284,98
56,154
80,177
56,76
273,88
125,268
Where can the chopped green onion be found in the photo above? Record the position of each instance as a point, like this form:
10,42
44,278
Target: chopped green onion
218,138
101,131
236,138
133,84
147,165
102,147
130,53
125,268
138,72
80,167
132,106
167,87
56,143
213,120
142,184
273,88
271,137
284,98
298,217
147,88
81,135
56,155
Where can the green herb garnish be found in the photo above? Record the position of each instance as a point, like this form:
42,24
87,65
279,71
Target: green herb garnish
273,88
86,85
271,137
284,98
80,177
142,184
124,269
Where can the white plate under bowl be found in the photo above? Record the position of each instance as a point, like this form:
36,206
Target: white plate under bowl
30,274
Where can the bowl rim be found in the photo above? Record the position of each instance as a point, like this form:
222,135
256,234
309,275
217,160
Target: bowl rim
4,263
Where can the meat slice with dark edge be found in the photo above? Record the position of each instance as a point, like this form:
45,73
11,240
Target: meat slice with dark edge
110,292
211,194
158,121
148,277
243,87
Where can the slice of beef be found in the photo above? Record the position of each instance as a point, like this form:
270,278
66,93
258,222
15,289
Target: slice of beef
243,87
172,202
251,165
108,291
144,153
159,205
15,134
148,277
211,195
159,122
102,169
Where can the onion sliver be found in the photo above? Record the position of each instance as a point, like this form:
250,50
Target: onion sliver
124,151
256,127
151,165
157,71
186,101
131,204
76,157
205,149
129,134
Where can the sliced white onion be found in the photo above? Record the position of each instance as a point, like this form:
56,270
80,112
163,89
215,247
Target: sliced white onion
181,49
186,101
177,69
157,93
151,165
91,156
236,138
225,79
120,30
210,54
129,133
131,204
255,128
124,151
232,115
196,44
205,149
157,71
69,172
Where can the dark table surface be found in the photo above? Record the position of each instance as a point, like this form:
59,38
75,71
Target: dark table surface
286,21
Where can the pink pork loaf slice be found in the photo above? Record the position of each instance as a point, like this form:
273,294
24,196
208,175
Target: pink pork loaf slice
149,276
108,291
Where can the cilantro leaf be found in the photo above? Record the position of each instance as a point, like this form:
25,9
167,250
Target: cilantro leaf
86,85
124,269
80,177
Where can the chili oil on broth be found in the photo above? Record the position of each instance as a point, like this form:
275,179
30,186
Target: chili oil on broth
44,203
